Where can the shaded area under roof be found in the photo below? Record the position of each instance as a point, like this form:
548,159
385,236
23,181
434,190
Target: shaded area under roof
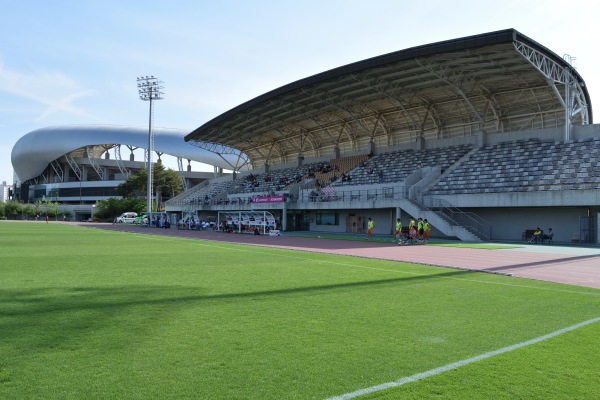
494,82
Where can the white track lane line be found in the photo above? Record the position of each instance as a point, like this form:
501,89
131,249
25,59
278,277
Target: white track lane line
458,364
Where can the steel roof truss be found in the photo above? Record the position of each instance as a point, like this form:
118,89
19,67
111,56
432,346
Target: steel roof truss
74,166
183,180
58,171
216,148
255,146
340,103
119,160
555,73
388,90
455,80
92,159
323,129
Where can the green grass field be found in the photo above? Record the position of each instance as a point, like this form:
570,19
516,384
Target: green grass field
93,314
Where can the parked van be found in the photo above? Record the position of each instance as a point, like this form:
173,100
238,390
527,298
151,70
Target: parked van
126,218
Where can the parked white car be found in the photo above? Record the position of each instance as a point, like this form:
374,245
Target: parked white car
126,218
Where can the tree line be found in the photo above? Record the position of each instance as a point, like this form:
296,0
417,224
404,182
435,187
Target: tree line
166,183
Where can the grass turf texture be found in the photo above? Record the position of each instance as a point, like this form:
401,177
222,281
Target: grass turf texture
101,314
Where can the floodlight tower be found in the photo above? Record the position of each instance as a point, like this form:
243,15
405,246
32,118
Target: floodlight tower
570,89
149,89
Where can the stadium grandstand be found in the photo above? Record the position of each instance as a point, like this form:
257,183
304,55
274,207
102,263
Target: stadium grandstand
487,137
77,165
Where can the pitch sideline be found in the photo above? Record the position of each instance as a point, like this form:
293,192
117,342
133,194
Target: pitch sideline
458,364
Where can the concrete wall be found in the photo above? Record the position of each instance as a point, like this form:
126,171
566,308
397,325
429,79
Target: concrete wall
548,198
509,223
383,219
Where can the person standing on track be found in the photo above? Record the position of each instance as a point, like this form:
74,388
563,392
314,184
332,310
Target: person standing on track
420,229
370,227
426,229
398,230
411,224
412,230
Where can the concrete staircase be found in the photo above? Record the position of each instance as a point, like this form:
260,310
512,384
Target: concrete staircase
448,219
441,222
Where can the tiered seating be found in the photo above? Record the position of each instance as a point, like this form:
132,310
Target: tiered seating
397,165
281,179
530,165
206,193
275,180
340,166
345,164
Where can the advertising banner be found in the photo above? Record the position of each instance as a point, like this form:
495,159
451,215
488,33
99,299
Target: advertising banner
268,199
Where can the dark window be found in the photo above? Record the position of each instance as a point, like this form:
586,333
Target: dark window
327,218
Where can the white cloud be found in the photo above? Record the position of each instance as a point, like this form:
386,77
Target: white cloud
51,92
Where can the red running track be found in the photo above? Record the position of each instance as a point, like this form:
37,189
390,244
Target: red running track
574,266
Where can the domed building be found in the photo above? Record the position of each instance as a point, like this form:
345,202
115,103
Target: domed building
79,164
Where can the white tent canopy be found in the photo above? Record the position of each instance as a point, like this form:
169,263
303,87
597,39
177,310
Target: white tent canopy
250,219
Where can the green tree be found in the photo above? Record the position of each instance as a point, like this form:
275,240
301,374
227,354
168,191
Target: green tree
107,210
51,208
166,182
13,209
2,210
37,206
134,186
29,210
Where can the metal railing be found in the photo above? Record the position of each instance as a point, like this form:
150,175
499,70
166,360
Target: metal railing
328,195
468,220
184,198
303,196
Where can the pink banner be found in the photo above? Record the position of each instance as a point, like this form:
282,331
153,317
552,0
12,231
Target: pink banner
268,199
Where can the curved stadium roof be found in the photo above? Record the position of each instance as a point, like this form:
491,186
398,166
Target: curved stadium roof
33,152
495,82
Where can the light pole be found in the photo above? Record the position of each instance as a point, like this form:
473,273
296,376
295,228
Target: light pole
150,88
569,94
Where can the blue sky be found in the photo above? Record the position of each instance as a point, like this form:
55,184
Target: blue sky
76,62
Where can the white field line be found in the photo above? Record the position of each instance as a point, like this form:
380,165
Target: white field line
458,364
248,248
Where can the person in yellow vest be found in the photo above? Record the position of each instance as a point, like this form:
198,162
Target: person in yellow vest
420,229
398,230
370,227
426,229
537,236
412,230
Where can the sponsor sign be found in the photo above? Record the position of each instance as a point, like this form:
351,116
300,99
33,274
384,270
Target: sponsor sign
268,199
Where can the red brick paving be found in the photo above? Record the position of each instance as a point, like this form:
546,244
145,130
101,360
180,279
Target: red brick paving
550,263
